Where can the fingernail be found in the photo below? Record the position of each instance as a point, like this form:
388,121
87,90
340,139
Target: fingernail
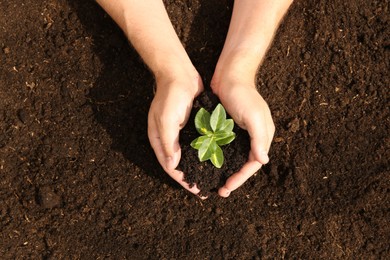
264,157
201,196
223,192
227,192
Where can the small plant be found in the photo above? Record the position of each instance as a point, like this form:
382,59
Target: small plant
215,131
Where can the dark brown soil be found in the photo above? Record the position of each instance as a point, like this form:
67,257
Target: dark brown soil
207,177
78,179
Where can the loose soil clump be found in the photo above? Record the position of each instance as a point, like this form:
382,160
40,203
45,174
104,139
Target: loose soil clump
205,175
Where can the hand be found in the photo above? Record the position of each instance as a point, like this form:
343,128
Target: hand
168,114
249,110
251,30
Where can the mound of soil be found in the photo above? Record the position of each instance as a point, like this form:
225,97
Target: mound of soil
78,179
205,175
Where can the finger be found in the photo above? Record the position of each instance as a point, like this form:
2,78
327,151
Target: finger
237,179
169,135
167,162
164,138
260,139
178,176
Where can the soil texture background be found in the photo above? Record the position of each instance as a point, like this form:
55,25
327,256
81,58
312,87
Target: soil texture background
78,179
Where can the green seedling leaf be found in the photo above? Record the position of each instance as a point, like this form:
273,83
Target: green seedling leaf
217,118
215,131
198,142
227,126
223,138
202,122
217,157
207,149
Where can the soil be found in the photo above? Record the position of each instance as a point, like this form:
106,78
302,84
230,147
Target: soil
78,179
205,175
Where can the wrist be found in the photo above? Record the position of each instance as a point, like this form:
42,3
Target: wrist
238,68
185,77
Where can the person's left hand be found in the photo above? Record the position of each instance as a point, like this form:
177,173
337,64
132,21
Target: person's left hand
250,111
168,114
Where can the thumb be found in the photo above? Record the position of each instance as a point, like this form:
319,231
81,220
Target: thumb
164,143
169,141
260,154
260,142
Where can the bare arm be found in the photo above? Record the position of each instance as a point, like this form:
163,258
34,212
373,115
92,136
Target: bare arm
251,31
147,26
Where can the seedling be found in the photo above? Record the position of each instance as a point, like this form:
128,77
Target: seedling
215,131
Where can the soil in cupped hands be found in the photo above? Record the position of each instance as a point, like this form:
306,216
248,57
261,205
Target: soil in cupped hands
205,175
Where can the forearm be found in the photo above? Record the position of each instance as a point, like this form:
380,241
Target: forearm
251,31
147,26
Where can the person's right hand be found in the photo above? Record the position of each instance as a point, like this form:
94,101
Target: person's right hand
168,114
250,111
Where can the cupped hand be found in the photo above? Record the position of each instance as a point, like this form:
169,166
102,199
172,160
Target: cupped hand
168,114
250,111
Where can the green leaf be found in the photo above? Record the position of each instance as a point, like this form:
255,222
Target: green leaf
215,130
202,122
217,118
227,126
217,157
207,149
198,142
223,138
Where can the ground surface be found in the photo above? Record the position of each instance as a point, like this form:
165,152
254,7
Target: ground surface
79,180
